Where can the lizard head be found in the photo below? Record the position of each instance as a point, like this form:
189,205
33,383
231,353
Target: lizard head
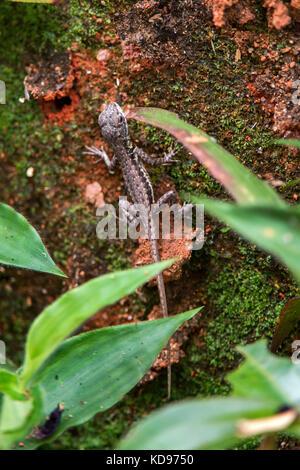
113,124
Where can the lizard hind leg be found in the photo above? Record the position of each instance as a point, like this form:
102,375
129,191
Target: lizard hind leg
135,217
126,211
167,197
167,158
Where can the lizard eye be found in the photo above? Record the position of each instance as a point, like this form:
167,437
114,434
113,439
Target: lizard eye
121,119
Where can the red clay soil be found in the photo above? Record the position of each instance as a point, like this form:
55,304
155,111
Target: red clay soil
51,83
161,31
279,13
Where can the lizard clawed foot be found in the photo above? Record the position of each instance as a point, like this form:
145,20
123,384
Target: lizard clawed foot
94,152
168,156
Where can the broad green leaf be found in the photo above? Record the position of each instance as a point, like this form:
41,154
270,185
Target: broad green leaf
240,182
262,385
18,417
194,424
91,372
276,230
288,319
267,377
293,142
9,383
20,244
67,313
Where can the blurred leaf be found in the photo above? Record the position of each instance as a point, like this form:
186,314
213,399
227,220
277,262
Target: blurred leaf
193,424
18,417
276,230
293,142
289,318
265,376
240,182
9,384
262,385
68,312
21,245
92,371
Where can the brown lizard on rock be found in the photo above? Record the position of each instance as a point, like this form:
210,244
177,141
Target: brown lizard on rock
114,128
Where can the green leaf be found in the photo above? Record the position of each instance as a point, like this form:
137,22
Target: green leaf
265,376
261,386
9,383
92,371
18,417
240,182
194,424
67,313
20,244
293,142
288,319
276,230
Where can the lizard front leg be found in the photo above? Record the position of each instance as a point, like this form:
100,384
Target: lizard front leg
103,156
156,161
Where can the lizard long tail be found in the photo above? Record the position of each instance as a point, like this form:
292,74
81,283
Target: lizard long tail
164,305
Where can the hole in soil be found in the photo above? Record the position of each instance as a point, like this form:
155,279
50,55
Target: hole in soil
61,108
60,103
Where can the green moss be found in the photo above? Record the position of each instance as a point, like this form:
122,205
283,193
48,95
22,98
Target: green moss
26,29
244,301
43,27
115,257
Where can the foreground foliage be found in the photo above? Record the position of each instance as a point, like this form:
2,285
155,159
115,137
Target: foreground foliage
261,387
87,373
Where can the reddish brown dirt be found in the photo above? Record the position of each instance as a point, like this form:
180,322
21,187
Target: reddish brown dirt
161,31
279,13
277,88
51,82
158,31
231,11
168,249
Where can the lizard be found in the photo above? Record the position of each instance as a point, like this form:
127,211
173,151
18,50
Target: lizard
114,129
